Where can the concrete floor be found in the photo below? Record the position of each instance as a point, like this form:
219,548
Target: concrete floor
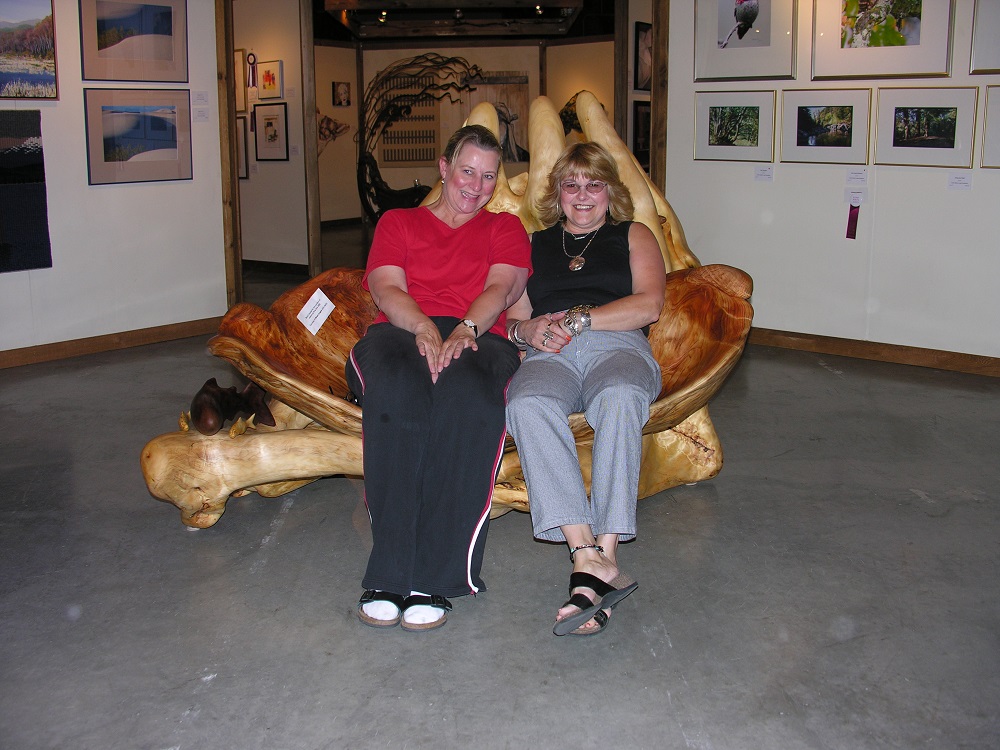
834,587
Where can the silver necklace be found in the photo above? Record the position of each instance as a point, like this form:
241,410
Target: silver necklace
576,262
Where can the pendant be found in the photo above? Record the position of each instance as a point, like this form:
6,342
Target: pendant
575,264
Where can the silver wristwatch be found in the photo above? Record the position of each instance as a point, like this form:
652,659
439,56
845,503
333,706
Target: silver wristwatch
469,323
578,319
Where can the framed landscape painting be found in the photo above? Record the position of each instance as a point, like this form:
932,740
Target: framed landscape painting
132,41
881,38
828,126
734,125
137,135
27,50
748,39
932,127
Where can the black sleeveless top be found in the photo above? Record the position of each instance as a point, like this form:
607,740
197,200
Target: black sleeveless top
605,277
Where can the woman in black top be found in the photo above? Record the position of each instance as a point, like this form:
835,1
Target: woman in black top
598,284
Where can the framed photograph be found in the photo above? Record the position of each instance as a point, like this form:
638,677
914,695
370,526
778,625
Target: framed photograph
341,94
985,33
134,41
932,127
27,38
881,39
642,64
991,132
734,125
240,79
641,115
270,83
825,126
137,135
748,39
271,131
242,152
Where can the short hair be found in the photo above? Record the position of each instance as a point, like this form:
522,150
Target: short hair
474,135
590,160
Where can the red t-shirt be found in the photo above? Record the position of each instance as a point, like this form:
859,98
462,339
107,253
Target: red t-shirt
446,268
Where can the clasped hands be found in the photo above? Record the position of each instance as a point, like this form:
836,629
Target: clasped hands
547,333
439,354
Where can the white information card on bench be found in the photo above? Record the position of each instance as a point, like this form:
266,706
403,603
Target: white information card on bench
315,311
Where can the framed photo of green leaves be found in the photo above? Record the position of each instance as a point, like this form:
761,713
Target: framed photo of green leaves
134,41
889,39
734,125
825,126
137,135
930,127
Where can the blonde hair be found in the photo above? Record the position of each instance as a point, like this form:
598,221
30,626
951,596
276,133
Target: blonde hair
590,160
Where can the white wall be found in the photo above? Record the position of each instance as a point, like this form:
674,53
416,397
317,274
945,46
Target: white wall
129,256
923,269
273,200
572,68
338,178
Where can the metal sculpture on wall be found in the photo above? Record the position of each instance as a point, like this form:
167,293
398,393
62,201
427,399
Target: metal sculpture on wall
391,97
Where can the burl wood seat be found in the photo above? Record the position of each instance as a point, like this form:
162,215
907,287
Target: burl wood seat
698,340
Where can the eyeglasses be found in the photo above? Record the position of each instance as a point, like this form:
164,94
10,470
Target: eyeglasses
593,187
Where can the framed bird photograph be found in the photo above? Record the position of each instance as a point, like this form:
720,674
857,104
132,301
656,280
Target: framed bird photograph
744,39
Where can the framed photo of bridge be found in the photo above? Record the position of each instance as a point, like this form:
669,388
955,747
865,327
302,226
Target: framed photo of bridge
134,41
744,39
825,126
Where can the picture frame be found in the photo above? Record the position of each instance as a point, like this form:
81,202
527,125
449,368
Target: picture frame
29,70
340,91
916,49
734,126
763,50
990,158
240,79
270,81
641,119
242,148
271,131
137,135
825,126
642,58
985,56
134,41
926,127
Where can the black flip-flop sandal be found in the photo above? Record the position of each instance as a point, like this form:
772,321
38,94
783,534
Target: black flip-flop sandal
608,596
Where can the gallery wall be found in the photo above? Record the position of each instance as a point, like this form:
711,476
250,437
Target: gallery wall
338,181
273,197
922,270
124,256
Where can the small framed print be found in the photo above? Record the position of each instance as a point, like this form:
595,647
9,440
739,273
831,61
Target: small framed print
271,131
734,125
137,135
991,130
748,39
642,65
985,33
270,83
932,127
240,79
865,40
242,149
641,117
341,94
134,41
825,126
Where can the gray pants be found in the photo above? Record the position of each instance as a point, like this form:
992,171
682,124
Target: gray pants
612,377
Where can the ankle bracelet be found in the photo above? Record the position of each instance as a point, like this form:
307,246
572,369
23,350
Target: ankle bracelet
574,550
